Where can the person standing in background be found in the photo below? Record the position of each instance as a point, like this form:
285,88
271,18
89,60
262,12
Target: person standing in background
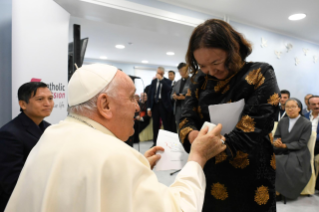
179,91
159,104
307,108
285,95
19,136
171,116
313,116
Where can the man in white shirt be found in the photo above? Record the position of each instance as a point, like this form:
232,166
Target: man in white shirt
314,118
82,164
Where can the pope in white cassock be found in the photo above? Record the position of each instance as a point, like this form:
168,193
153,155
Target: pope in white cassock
83,165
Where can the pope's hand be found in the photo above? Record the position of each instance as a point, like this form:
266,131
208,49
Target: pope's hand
151,155
207,145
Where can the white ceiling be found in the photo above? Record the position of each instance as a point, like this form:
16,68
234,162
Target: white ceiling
152,37
269,14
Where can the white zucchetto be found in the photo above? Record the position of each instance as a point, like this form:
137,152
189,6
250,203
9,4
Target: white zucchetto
88,81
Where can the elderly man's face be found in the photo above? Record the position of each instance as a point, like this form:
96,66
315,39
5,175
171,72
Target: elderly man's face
124,108
160,72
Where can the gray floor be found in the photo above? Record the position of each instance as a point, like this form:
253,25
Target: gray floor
302,204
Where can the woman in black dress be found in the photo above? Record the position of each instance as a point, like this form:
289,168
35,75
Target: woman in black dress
242,178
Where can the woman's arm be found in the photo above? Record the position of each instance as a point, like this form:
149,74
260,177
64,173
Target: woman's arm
190,118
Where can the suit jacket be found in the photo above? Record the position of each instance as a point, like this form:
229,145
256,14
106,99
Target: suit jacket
17,138
165,95
305,111
178,109
308,117
74,167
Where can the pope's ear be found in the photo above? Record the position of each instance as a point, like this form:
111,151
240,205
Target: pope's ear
103,106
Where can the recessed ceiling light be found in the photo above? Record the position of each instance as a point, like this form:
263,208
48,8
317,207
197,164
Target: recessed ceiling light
296,17
103,57
144,61
170,53
120,46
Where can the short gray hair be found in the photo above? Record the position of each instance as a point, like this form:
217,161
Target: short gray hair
161,68
91,105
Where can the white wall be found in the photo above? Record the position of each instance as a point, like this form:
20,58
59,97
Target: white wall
299,80
39,49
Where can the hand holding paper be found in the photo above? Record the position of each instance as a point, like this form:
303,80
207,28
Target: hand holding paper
207,145
151,155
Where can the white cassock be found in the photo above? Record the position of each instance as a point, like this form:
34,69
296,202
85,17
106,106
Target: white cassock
75,167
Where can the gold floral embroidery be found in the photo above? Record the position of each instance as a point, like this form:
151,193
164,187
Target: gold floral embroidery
221,85
220,157
219,191
273,161
256,78
262,195
199,110
183,133
246,124
194,109
182,123
230,101
240,161
189,93
196,93
274,99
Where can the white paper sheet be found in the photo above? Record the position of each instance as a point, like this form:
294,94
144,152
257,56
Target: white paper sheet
174,157
226,114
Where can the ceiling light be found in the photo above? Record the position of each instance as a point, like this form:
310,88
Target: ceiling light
103,57
170,53
120,46
144,61
296,17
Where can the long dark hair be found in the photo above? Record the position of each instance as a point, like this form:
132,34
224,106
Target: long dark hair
216,33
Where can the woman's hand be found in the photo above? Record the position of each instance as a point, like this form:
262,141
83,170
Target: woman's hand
192,136
278,143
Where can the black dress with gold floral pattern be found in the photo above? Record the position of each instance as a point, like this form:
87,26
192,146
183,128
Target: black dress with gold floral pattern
242,178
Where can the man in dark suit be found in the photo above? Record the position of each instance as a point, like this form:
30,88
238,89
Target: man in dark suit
284,96
171,116
179,91
20,135
159,104
307,108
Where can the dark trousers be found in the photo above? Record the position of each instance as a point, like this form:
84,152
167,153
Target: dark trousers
159,112
171,122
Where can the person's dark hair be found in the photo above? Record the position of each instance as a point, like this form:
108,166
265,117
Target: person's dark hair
171,71
181,65
28,90
216,33
313,96
285,92
298,103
